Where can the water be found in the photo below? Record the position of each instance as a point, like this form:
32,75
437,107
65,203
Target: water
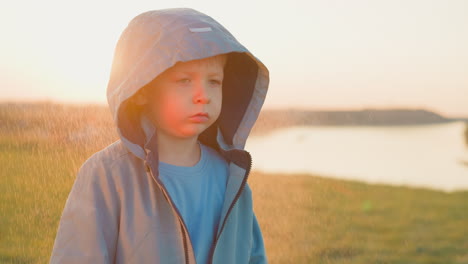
430,156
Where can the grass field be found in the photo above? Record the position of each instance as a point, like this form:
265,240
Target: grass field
304,218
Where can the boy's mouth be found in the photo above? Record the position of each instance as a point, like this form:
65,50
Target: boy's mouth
205,114
200,117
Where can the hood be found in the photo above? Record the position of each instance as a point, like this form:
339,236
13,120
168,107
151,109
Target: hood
155,41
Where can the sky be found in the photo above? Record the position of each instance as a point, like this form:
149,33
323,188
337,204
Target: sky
326,54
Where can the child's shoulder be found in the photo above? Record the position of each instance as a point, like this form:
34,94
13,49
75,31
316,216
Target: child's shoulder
106,160
109,154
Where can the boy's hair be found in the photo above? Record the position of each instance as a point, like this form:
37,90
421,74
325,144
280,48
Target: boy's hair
145,90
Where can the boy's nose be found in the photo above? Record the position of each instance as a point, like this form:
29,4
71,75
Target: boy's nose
201,94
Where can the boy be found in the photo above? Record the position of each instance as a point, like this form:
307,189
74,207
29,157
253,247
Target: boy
184,95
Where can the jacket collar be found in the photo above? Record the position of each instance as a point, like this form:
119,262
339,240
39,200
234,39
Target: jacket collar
229,153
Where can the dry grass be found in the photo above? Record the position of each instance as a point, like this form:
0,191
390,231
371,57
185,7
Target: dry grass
310,219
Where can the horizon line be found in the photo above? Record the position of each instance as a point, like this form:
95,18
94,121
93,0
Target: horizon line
266,107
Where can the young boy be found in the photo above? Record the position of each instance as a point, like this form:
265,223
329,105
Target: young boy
184,94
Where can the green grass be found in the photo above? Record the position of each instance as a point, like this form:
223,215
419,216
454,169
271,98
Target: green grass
317,220
35,181
305,219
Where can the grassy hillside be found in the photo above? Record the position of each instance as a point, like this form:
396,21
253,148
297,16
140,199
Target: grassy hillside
304,218
308,219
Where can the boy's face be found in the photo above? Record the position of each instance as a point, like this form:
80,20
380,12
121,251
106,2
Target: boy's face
184,90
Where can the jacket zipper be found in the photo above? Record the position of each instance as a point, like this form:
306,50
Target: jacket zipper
183,226
182,223
239,192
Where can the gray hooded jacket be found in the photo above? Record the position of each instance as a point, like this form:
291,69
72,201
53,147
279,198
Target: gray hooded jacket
118,210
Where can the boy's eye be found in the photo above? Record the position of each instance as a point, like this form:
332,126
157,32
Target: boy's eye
216,82
183,80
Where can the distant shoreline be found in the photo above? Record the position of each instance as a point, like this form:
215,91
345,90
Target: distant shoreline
269,120
274,119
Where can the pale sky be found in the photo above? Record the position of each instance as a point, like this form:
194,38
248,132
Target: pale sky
325,54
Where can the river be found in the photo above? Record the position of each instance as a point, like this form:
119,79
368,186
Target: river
431,156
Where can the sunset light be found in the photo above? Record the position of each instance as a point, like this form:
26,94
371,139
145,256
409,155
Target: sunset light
322,54
249,131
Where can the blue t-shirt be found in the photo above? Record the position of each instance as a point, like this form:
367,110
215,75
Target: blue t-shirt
198,193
